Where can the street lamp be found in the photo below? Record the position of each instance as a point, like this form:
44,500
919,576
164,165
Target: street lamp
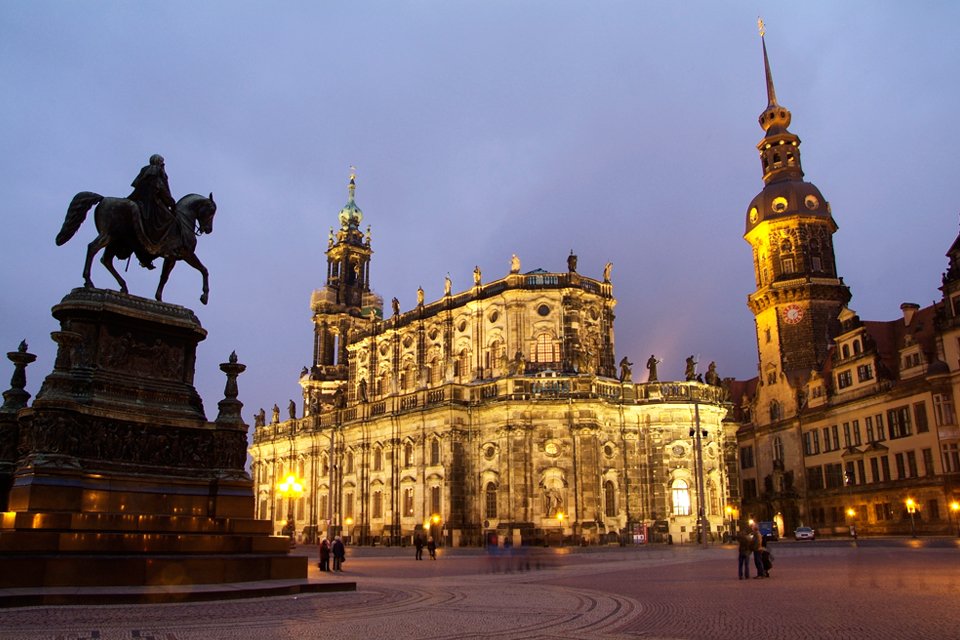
912,509
955,508
733,513
853,525
290,488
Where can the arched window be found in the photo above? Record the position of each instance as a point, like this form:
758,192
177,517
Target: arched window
856,347
495,355
349,462
324,464
609,499
681,498
378,459
377,506
435,451
774,410
845,350
777,448
490,502
546,350
408,454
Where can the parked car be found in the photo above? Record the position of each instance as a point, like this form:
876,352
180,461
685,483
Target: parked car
769,530
804,533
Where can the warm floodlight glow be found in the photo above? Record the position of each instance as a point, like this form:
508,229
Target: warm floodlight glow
291,487
851,512
911,506
435,519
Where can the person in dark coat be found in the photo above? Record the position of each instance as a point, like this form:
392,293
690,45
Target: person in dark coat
744,550
339,553
324,555
432,547
418,544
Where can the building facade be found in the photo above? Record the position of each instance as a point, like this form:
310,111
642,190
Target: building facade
496,410
849,422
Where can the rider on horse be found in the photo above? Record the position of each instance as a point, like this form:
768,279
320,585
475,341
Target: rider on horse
151,192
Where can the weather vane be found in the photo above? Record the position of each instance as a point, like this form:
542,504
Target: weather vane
353,172
760,25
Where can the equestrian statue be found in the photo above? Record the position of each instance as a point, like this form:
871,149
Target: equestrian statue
147,223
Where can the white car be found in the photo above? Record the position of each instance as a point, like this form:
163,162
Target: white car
804,533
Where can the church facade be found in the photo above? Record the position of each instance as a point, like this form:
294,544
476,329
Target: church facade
850,423
498,410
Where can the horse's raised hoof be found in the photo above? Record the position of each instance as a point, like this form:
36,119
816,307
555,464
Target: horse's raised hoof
203,299
88,284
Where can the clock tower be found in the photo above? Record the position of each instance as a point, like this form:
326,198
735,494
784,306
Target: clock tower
798,294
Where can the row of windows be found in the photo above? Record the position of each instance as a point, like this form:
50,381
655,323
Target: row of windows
837,475
900,424
882,511
546,350
845,377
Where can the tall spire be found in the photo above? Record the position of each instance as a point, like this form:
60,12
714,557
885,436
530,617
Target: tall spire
775,118
771,92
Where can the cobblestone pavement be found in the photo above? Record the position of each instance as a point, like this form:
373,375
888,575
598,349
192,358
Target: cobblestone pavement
815,591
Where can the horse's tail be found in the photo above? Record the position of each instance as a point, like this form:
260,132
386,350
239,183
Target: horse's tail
76,214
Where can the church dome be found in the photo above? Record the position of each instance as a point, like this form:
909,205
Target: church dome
350,215
785,199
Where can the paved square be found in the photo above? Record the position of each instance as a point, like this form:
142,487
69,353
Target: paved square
881,589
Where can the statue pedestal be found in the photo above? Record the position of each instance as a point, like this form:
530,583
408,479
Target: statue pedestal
119,480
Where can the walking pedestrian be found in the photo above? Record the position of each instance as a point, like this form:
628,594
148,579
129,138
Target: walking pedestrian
324,555
432,547
339,554
743,555
418,544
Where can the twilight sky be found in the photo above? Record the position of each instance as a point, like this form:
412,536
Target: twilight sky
623,130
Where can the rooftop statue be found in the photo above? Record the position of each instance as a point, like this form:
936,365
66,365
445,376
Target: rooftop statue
148,223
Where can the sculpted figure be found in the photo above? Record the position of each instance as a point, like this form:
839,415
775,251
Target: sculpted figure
652,363
396,306
514,264
151,191
606,271
572,262
362,390
262,417
420,296
712,377
148,224
626,372
447,285
476,275
292,410
691,369
276,415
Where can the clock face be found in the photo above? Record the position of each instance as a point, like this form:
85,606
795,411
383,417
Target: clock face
792,314
552,449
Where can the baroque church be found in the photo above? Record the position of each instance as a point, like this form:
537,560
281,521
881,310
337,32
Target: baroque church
850,424
494,411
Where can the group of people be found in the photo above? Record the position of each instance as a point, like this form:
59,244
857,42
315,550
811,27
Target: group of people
431,545
335,549
752,543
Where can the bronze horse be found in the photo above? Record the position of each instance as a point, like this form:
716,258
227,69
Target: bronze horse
121,235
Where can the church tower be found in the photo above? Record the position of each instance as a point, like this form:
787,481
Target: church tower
341,307
798,295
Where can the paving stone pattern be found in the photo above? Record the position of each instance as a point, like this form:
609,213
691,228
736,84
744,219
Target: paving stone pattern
657,593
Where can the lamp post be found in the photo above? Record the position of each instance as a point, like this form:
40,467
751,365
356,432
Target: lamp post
954,509
698,435
560,517
853,525
912,509
733,513
290,488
